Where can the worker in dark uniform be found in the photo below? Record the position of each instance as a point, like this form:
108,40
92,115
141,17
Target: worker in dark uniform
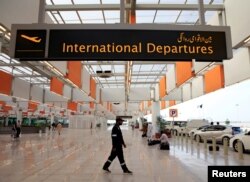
117,143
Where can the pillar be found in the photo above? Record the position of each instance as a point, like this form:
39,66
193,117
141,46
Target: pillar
52,118
155,114
19,115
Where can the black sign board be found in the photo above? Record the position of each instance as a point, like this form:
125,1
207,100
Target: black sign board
30,44
136,45
121,42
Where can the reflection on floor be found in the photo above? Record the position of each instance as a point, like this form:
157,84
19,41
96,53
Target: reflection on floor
78,155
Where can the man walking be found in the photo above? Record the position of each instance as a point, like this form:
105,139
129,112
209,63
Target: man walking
117,143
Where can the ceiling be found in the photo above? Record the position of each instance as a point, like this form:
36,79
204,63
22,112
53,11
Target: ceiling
111,74
142,74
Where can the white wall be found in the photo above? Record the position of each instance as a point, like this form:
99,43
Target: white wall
113,94
237,13
238,68
139,94
19,12
197,87
21,88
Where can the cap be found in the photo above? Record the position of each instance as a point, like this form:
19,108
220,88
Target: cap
119,119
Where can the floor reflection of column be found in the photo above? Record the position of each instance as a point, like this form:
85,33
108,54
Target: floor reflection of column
198,151
205,154
187,146
192,148
214,155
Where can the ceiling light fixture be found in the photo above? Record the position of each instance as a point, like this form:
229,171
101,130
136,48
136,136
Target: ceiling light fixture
104,74
247,39
2,28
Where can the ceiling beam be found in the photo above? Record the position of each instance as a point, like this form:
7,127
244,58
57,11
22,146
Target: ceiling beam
133,74
17,64
125,62
93,7
30,76
134,83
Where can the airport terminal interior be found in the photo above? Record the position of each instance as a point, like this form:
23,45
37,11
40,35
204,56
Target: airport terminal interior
70,68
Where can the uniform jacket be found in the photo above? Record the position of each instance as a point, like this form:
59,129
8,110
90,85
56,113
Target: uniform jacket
117,138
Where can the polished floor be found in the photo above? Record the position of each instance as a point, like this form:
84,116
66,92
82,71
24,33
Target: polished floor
79,154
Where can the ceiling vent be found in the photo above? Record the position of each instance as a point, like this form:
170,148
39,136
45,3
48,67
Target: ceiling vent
104,74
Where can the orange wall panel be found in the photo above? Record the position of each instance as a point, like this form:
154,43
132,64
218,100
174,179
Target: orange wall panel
91,105
163,104
183,72
32,106
72,106
163,88
5,83
75,72
56,86
92,88
142,106
171,103
214,79
6,108
149,103
2,103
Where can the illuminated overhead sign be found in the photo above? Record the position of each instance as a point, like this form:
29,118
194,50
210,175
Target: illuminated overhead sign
123,42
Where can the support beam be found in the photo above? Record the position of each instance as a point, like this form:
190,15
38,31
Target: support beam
30,76
41,14
122,11
139,74
201,12
125,62
93,7
18,64
132,83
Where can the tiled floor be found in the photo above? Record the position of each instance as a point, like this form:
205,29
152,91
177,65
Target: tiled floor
78,155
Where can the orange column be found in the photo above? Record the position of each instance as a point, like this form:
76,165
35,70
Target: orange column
5,83
183,72
72,106
214,79
162,87
91,105
74,73
163,104
56,86
171,103
32,106
92,88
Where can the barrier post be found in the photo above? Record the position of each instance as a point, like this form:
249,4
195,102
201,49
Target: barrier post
214,144
240,149
205,143
198,141
40,133
192,138
225,146
186,135
172,134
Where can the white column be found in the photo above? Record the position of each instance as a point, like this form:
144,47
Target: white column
52,118
140,123
155,114
19,115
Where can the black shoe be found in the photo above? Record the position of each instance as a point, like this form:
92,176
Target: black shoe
128,172
107,170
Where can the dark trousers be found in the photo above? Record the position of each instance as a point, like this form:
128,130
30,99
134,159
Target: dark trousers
18,131
119,153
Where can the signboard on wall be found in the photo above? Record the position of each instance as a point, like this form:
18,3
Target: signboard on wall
117,42
173,112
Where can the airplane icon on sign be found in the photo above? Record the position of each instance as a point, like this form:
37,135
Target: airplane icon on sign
32,39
